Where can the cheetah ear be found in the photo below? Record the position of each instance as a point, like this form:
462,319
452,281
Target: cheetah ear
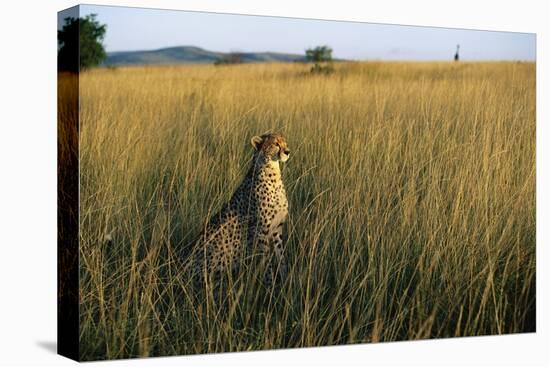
256,142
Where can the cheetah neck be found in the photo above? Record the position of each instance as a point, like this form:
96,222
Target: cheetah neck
263,168
273,167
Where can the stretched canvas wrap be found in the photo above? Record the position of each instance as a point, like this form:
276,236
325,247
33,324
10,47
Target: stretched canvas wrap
237,183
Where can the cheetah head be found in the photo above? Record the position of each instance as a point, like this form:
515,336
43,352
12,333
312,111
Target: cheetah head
272,146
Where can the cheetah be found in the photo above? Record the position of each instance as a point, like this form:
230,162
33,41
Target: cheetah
254,215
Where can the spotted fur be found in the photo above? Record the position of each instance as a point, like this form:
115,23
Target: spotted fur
252,219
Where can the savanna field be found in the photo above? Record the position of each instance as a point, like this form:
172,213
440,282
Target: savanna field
412,203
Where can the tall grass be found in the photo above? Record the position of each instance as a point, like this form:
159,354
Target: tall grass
412,204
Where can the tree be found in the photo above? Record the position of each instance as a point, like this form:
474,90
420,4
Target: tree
80,43
321,56
231,58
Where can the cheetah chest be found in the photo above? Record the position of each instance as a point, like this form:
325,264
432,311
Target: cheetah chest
280,207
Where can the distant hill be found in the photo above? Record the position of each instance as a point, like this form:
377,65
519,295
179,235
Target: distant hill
191,55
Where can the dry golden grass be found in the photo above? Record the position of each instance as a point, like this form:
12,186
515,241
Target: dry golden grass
411,190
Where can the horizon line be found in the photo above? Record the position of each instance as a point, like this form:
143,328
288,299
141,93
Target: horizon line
335,57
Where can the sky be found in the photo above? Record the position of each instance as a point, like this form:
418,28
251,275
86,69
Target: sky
146,29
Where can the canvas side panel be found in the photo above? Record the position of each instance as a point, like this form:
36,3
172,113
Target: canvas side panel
67,190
